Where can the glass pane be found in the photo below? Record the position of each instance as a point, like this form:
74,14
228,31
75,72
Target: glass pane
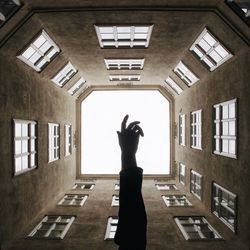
28,53
225,128
123,29
108,36
225,111
18,147
24,129
24,146
123,43
232,110
106,29
141,29
204,45
45,47
34,58
225,146
32,129
32,160
136,43
232,146
140,36
55,234
18,129
25,162
198,52
32,145
232,128
18,164
112,235
124,36
217,126
216,57
41,63
217,145
39,41
51,53
211,41
208,62
217,113
221,51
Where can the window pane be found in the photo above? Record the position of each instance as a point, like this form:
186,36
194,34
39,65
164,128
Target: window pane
32,129
18,129
225,146
32,145
45,47
18,164
221,51
25,162
39,41
225,111
34,58
24,146
32,160
216,57
51,53
18,147
28,53
232,128
232,110
204,45
24,129
232,146
225,128
211,41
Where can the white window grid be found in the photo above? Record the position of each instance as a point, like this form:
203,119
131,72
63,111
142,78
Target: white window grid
185,74
124,63
125,77
39,52
196,129
111,228
224,206
74,88
83,186
209,50
25,145
196,228
123,36
54,141
177,200
68,140
7,9
196,184
52,227
117,187
182,130
182,173
64,75
163,186
225,127
73,200
115,201
174,86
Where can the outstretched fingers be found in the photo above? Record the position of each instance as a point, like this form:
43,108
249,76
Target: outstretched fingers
132,125
124,122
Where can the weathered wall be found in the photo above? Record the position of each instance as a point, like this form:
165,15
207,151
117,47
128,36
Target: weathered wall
26,94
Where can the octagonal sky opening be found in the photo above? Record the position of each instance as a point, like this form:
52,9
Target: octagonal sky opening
101,116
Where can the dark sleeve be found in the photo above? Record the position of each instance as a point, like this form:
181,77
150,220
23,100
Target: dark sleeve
132,223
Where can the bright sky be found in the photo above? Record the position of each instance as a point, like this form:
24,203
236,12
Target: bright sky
102,114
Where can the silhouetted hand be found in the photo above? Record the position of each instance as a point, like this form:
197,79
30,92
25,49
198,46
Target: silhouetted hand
128,141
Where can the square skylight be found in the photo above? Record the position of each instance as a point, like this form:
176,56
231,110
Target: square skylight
39,52
124,63
124,77
185,74
64,75
173,85
76,86
7,9
123,35
209,50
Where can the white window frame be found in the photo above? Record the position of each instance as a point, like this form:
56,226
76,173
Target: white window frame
64,74
196,129
222,198
117,187
176,200
115,201
50,224
121,64
76,200
46,56
83,185
111,228
182,173
224,122
196,183
68,140
116,38
25,139
54,141
173,85
116,77
185,74
182,129
74,88
165,186
194,225
205,56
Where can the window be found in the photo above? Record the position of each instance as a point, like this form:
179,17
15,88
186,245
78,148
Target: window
241,8
196,228
64,75
76,86
196,184
224,204
68,140
54,142
182,173
185,74
115,201
73,200
39,52
7,9
176,200
117,186
124,77
182,130
174,86
225,138
124,63
196,132
209,50
25,145
123,36
166,186
81,186
111,228
52,227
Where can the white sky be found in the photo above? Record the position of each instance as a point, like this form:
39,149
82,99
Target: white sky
102,114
